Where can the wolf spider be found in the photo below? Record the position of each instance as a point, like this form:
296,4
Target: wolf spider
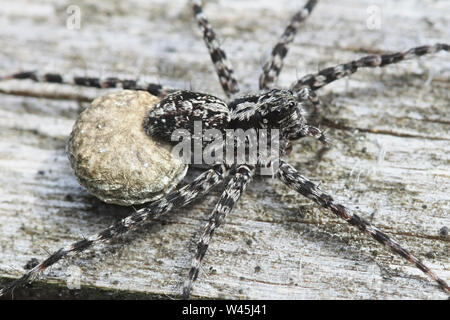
269,108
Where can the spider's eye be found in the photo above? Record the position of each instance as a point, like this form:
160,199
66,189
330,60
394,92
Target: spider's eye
292,104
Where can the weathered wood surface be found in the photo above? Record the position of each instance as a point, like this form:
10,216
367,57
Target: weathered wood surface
392,168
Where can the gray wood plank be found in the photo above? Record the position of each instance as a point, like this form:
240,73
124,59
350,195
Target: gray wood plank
389,158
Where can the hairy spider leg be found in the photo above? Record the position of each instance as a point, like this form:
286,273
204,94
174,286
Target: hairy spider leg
308,131
219,58
110,82
199,187
328,75
228,199
274,64
292,178
305,93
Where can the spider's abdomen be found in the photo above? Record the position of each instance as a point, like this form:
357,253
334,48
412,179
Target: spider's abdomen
182,109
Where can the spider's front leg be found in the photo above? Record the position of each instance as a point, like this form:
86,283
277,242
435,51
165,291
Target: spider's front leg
199,187
229,197
290,176
273,66
328,75
101,83
218,56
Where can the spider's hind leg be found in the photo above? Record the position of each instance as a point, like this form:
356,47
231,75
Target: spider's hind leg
292,178
178,198
109,82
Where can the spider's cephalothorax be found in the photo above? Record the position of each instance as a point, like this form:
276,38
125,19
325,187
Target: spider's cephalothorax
275,109
180,110
269,109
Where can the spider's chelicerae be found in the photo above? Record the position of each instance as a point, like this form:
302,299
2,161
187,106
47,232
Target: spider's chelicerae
269,108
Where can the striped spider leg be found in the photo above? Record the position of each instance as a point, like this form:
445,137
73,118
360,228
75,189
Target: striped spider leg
101,83
179,198
225,204
274,64
218,57
294,180
328,75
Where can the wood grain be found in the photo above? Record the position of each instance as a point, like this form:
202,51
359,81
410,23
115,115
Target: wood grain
389,159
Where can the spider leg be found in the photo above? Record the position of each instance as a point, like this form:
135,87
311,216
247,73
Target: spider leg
290,176
218,56
328,75
200,186
305,93
305,130
274,64
110,82
308,131
229,197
